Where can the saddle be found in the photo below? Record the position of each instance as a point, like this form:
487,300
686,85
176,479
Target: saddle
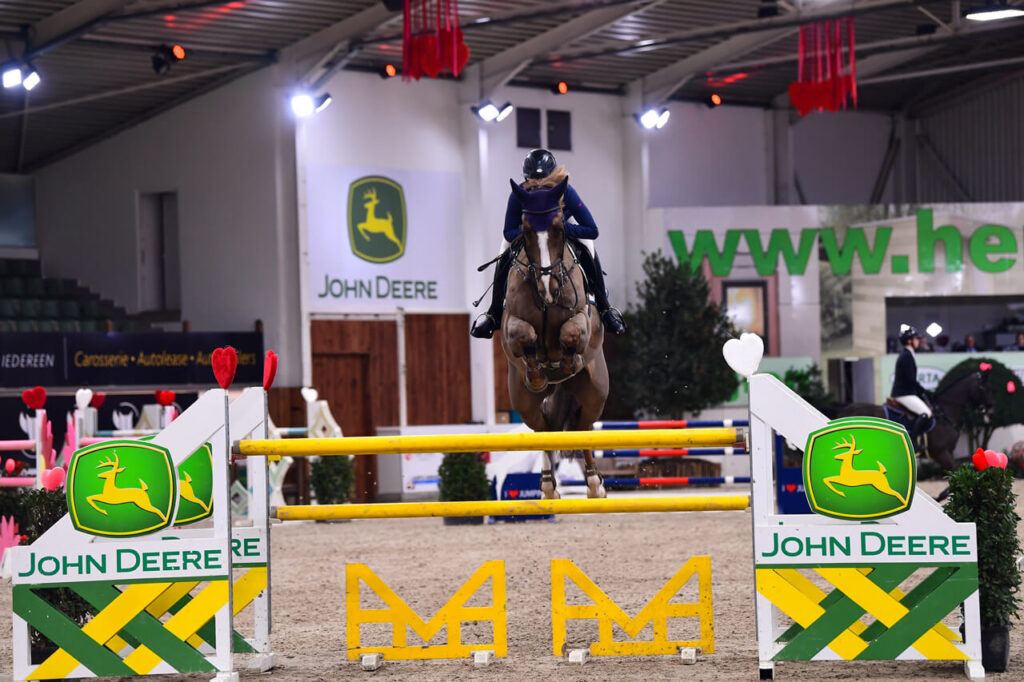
895,412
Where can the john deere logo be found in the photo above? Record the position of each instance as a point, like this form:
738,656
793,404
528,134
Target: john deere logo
121,489
860,468
195,487
376,219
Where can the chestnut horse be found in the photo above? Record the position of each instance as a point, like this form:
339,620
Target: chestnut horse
551,335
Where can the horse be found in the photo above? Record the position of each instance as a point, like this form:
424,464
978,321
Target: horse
970,391
551,334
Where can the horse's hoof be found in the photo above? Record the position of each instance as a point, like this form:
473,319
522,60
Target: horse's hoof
597,493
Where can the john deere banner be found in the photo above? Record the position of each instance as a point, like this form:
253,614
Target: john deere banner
123,359
380,239
833,267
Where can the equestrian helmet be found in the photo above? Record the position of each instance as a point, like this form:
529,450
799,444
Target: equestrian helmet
907,334
538,164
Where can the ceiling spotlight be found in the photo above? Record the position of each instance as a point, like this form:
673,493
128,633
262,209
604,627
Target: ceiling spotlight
489,112
303,105
322,102
31,80
561,87
993,12
12,76
389,71
652,118
165,56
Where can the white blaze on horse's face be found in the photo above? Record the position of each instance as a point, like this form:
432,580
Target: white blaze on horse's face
545,261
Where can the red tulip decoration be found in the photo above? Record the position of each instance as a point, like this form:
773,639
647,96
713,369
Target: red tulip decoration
164,398
34,398
225,362
984,459
269,369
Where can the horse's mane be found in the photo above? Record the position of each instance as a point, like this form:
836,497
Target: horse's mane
550,180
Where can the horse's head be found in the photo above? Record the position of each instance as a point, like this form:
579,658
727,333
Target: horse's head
542,207
981,391
544,235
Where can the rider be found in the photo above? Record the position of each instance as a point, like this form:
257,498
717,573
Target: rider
539,169
906,389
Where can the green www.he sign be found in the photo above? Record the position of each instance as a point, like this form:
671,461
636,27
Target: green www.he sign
991,248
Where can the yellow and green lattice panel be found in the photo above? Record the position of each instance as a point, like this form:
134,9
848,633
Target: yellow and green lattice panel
136,627
898,621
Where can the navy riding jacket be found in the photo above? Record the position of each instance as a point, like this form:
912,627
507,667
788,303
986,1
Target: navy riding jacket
905,379
583,228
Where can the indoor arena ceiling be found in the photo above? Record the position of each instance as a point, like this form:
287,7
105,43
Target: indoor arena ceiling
95,56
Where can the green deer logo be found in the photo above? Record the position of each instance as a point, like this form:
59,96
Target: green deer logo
852,478
113,495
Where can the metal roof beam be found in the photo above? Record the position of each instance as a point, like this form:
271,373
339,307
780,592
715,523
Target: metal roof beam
71,19
499,69
303,59
659,86
832,10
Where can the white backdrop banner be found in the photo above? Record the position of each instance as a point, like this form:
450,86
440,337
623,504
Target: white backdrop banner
380,239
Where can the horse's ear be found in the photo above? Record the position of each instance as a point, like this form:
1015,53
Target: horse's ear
561,187
518,191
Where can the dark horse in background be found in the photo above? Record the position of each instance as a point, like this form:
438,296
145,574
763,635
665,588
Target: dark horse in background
551,334
970,392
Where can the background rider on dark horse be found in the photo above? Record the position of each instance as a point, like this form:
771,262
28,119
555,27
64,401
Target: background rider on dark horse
540,169
907,390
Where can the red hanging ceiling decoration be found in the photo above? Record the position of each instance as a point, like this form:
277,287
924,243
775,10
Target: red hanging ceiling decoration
432,41
828,67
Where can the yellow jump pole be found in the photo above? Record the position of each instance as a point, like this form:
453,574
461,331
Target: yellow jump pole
407,510
491,442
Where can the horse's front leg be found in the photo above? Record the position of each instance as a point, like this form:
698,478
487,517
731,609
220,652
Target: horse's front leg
595,485
573,338
520,339
548,487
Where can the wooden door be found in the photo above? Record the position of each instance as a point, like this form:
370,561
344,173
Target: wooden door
343,381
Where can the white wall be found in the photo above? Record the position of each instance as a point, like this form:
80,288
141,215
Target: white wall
229,155
711,157
837,156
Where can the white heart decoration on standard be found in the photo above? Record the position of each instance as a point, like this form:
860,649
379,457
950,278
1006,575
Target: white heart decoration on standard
309,394
744,354
83,397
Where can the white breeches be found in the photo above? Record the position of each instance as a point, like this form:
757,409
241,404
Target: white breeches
914,404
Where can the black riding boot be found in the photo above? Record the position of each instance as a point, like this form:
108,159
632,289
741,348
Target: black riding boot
591,265
485,325
917,428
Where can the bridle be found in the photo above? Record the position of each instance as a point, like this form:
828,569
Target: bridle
532,272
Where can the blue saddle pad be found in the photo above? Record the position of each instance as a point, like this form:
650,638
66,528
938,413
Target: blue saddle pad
901,416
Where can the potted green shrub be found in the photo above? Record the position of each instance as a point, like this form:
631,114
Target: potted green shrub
983,494
463,478
332,478
41,509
